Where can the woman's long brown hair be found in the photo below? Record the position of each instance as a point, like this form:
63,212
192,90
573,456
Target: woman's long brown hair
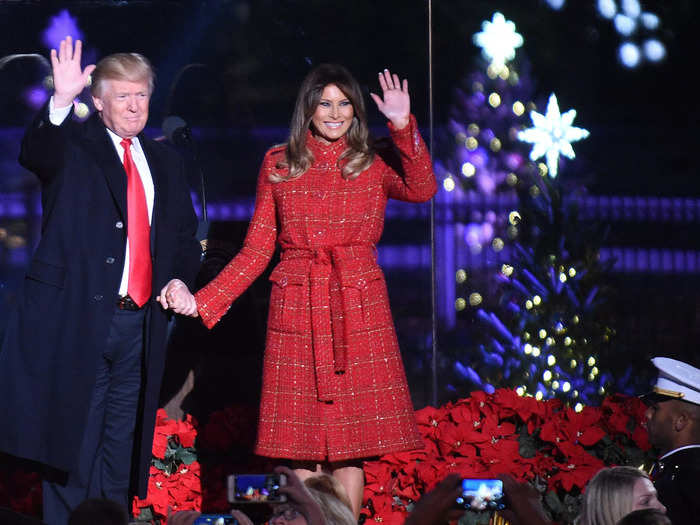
298,158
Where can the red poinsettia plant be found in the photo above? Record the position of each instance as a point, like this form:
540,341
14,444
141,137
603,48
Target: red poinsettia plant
174,483
545,443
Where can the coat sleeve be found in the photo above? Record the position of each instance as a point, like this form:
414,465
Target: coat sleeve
411,178
44,145
189,250
214,300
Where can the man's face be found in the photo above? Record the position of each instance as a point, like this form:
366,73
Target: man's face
123,105
659,422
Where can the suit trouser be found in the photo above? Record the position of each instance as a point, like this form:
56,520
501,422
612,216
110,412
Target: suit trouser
104,466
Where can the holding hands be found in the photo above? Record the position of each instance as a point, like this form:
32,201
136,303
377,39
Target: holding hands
395,103
68,77
177,297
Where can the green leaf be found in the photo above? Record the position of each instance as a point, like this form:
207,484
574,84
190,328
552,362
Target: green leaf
146,514
160,465
187,456
552,501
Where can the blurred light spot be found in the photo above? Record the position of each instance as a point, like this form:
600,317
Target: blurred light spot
536,351
495,145
448,184
475,299
494,100
473,129
654,50
497,244
566,386
578,407
556,4
607,8
518,108
512,179
625,25
649,21
471,143
629,54
460,304
631,7
461,276
547,375
468,169
536,300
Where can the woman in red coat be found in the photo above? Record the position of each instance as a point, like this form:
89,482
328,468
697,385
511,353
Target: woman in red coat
334,389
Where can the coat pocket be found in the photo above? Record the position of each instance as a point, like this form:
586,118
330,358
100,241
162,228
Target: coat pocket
290,310
365,301
47,273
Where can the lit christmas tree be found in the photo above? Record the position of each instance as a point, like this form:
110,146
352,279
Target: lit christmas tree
536,304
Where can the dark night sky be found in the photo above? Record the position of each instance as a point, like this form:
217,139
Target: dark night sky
254,54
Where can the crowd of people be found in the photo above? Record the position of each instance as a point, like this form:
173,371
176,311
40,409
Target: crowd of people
116,260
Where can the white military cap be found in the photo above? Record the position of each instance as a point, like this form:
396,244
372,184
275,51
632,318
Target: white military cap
677,380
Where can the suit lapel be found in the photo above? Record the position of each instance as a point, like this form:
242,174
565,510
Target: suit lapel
160,181
102,148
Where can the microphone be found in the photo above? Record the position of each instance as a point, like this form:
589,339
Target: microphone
179,133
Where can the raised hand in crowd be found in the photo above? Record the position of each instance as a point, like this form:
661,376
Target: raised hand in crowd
524,503
438,506
300,497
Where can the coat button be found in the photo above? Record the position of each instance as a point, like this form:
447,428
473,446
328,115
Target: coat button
283,282
97,297
119,224
109,260
361,284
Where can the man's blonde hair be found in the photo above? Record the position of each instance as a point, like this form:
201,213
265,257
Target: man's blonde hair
132,67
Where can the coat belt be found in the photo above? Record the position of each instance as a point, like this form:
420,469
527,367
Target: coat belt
329,358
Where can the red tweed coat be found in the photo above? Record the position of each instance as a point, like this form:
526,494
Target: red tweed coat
334,387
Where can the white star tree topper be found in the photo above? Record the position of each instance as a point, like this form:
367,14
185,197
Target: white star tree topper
552,135
498,40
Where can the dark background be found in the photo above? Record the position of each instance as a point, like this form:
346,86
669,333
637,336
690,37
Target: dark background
231,69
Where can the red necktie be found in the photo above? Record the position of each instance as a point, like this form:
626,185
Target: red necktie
138,231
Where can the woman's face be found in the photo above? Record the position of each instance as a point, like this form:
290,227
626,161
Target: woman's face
644,496
333,115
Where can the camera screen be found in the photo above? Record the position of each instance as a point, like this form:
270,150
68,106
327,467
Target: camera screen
481,494
256,487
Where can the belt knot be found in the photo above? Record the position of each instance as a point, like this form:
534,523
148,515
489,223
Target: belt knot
322,255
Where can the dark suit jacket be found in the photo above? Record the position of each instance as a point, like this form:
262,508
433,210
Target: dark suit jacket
677,482
54,338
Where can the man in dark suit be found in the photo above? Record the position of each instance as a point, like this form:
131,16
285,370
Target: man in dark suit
673,423
82,361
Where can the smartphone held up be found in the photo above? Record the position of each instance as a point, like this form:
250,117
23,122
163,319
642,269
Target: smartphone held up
481,495
256,488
